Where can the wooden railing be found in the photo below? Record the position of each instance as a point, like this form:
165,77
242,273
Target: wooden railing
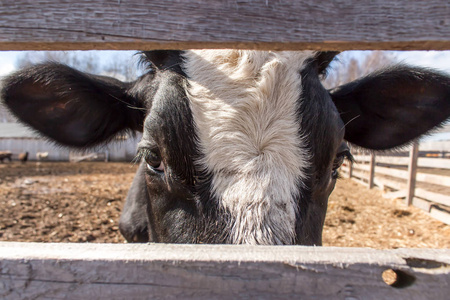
410,177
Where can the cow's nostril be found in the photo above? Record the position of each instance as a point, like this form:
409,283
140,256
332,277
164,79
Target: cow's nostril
140,237
134,234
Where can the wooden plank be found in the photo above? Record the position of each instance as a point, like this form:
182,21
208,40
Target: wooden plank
173,24
412,171
440,214
389,183
395,195
422,204
360,181
392,172
120,271
433,179
361,167
371,170
361,158
383,170
439,163
434,197
361,175
393,160
422,177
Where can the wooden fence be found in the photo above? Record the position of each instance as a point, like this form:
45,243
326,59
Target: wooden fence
416,179
84,271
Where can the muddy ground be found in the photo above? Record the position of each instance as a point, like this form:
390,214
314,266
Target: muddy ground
81,202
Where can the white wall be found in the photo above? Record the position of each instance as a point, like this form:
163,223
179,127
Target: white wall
118,151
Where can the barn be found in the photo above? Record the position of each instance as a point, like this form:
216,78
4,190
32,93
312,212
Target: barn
17,138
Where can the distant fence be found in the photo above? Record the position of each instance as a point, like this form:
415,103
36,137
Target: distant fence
421,177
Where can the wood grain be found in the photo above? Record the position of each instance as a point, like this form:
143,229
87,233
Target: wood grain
115,271
255,24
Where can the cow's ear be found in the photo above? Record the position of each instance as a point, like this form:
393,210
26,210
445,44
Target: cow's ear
73,108
392,107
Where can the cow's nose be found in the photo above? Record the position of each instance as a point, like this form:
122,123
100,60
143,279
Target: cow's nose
140,238
134,234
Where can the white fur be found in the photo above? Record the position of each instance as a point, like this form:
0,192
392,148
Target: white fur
245,105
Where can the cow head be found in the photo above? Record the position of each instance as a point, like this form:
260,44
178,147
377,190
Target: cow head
237,146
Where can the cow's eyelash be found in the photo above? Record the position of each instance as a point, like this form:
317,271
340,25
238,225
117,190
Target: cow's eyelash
142,153
347,154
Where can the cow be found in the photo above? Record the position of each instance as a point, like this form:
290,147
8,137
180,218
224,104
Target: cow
41,156
23,157
237,146
5,155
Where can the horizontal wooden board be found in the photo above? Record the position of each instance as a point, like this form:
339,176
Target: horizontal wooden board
383,182
434,197
422,177
440,214
439,163
392,172
422,204
173,24
158,271
424,162
360,175
434,179
394,195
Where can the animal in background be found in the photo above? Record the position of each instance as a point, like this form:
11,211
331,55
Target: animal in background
5,155
41,156
23,157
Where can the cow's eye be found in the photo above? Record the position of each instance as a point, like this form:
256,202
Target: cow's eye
338,161
152,159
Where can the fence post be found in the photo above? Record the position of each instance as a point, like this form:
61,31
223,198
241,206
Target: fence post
371,170
412,171
350,169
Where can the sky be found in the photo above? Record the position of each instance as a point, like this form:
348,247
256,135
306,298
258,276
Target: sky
434,59
8,59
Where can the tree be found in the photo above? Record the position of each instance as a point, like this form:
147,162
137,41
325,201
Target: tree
350,67
118,64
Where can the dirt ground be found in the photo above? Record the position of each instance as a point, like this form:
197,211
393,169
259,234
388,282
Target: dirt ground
81,202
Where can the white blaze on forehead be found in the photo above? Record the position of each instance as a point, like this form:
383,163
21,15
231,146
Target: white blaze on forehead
245,108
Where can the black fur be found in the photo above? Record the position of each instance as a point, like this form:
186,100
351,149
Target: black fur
391,107
52,101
